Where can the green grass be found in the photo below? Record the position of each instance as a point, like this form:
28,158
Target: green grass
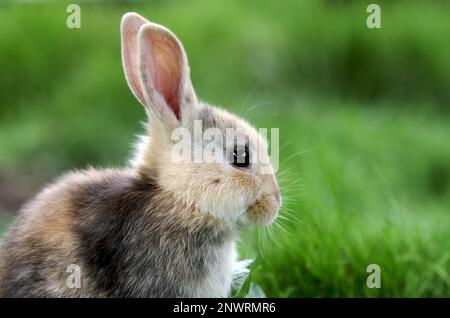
4,222
367,186
363,118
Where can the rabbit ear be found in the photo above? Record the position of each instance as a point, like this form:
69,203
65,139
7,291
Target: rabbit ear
164,73
129,27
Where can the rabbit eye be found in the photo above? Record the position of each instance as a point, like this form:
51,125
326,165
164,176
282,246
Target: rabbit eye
241,158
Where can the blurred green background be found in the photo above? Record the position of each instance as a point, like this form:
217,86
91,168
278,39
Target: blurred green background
364,120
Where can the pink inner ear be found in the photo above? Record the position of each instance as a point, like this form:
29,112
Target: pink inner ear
129,54
165,67
129,28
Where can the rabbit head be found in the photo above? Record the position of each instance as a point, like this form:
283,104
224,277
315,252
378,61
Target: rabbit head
234,183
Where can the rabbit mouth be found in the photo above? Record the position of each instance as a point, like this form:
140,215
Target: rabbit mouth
264,210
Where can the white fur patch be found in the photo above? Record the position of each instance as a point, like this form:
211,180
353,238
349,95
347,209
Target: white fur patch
218,282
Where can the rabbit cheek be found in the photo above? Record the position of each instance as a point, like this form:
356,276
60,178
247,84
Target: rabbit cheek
264,210
245,188
246,184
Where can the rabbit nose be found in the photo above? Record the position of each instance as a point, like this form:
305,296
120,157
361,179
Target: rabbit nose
277,196
275,189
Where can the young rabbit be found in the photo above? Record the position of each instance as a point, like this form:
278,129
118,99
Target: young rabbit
160,228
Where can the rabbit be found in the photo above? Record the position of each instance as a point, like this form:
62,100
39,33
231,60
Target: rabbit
155,228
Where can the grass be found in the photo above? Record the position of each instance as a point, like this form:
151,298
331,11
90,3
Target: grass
4,222
363,118
368,194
